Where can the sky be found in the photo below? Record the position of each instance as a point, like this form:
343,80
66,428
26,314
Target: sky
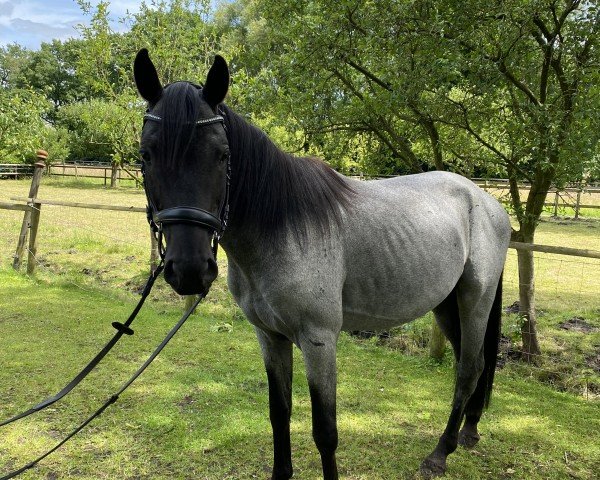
31,22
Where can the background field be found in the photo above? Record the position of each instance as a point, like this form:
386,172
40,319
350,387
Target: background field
201,410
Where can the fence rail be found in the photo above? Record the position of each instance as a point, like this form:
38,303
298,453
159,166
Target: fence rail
123,208
93,171
15,170
574,252
92,206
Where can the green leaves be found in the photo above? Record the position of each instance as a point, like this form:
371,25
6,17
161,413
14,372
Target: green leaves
21,126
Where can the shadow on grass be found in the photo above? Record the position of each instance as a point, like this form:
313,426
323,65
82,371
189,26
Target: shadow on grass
200,411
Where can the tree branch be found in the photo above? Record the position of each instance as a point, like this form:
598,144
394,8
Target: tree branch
367,74
517,83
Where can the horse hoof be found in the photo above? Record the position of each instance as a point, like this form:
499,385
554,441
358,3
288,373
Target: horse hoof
467,440
281,475
431,468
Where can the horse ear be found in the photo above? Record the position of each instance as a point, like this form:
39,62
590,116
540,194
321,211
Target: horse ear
217,82
146,78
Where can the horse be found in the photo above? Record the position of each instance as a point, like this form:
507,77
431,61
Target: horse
312,253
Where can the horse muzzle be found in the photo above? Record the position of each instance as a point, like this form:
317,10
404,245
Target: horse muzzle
189,276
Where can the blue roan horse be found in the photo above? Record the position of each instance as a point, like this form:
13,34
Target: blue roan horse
312,253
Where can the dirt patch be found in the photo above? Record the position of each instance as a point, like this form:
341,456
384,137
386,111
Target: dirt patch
593,361
186,401
577,324
135,286
514,308
507,351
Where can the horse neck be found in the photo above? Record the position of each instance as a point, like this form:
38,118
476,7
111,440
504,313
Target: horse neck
274,194
258,171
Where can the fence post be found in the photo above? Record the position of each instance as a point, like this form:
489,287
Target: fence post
154,255
578,203
556,203
33,190
35,223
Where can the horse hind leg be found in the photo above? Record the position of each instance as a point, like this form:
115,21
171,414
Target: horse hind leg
474,311
446,316
468,435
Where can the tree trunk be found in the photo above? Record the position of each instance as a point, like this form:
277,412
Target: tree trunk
437,342
114,175
531,347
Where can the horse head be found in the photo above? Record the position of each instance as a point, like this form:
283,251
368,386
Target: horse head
185,162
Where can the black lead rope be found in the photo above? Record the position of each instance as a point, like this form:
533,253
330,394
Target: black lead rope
113,398
122,329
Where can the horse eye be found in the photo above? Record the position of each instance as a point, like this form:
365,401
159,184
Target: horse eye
225,156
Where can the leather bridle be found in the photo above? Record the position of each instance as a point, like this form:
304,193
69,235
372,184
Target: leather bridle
187,214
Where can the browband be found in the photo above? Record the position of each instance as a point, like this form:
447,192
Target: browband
201,122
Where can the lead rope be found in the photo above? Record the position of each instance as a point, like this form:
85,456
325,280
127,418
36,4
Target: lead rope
113,398
122,329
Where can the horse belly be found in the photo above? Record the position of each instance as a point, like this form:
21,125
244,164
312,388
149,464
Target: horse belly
400,273
382,303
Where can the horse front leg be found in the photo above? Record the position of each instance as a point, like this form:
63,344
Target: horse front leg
319,352
277,355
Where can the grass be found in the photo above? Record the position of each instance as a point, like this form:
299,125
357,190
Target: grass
200,411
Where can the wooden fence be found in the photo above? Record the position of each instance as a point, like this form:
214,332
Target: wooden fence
94,171
31,206
568,197
15,170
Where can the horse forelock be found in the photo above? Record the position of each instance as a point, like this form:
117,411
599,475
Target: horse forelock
180,107
274,192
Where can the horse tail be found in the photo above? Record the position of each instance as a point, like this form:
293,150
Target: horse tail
491,343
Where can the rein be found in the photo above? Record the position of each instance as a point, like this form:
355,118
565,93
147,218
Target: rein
156,219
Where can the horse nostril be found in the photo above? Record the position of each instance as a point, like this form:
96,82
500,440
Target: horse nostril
212,269
168,270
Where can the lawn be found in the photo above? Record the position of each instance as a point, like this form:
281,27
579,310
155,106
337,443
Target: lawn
200,411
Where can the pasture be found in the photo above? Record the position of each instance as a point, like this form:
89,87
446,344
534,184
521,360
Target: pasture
200,411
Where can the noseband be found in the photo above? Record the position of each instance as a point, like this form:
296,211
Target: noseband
189,215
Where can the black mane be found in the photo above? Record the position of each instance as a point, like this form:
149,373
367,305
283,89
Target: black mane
273,191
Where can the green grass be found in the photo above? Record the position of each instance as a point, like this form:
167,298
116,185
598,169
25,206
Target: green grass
200,411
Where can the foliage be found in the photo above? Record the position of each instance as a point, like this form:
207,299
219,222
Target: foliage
51,71
21,126
103,130
178,35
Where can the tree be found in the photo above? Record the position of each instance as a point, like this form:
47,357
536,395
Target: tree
51,71
509,88
529,97
13,58
103,130
21,125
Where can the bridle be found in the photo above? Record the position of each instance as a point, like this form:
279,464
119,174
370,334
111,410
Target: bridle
186,214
